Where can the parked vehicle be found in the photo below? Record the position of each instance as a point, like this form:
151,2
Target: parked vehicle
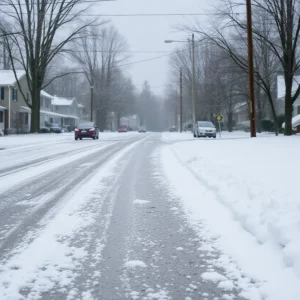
55,128
205,129
173,129
87,130
44,130
142,129
123,128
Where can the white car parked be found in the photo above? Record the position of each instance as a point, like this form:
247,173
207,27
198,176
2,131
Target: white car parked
205,129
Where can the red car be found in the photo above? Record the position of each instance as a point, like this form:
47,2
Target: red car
87,130
123,128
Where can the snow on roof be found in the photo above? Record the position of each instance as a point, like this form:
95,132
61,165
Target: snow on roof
295,121
7,77
2,108
281,86
45,94
62,101
50,113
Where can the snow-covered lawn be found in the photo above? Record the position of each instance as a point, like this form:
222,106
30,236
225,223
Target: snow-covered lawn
188,136
246,194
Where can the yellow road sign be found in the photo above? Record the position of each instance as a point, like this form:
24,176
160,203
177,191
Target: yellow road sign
219,117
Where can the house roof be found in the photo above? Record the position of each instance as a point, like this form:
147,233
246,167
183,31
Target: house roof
62,101
46,95
50,113
7,77
281,86
2,108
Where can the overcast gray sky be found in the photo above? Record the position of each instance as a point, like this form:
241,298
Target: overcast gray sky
149,33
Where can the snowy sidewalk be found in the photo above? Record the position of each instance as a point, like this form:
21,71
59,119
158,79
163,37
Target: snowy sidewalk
246,193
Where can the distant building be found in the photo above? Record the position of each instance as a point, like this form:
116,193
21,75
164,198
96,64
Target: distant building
15,114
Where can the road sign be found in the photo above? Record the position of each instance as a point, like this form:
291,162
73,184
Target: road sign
219,117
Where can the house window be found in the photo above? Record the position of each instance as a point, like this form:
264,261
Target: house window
15,94
2,93
1,116
298,110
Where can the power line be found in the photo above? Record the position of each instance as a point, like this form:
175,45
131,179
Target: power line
58,2
117,51
152,58
134,15
155,58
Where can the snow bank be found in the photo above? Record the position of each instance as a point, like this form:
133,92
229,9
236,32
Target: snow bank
245,192
169,137
213,276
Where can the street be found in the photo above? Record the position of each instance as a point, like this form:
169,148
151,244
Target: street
147,216
102,226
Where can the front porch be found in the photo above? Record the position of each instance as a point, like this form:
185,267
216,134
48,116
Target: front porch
48,117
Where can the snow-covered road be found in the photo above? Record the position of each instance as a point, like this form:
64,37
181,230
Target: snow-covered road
131,216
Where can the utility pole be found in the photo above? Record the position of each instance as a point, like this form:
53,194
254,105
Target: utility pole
251,70
92,102
193,80
181,114
176,111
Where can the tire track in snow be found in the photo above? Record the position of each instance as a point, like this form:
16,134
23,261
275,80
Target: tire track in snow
66,182
40,161
44,276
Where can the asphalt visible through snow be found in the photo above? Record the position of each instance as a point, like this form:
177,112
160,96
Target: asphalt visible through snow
139,245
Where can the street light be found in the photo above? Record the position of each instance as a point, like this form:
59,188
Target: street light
193,73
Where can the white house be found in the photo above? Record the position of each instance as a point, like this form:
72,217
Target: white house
67,108
280,106
15,114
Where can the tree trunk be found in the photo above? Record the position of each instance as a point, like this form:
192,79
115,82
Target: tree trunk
34,120
229,123
258,121
118,119
288,129
101,119
35,111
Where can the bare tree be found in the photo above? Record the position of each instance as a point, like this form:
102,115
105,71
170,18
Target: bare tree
39,23
123,96
99,52
235,46
276,33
